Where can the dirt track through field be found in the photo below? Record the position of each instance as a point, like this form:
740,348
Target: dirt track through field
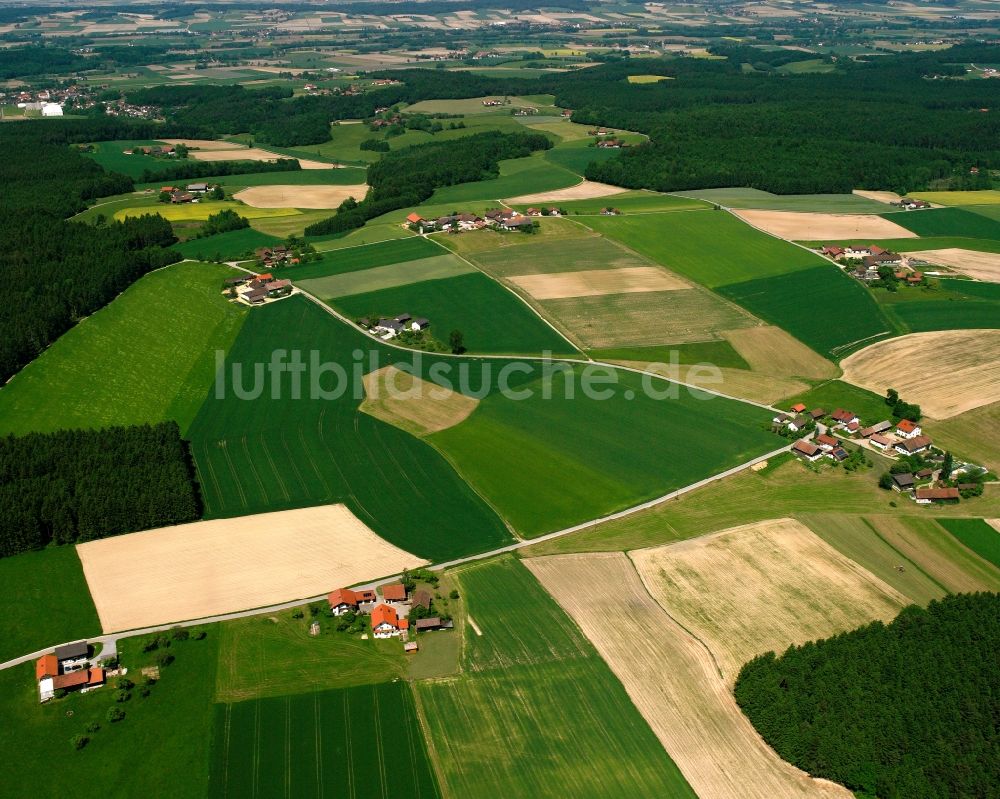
800,226
673,681
300,196
596,282
224,565
980,265
417,406
585,190
761,587
945,372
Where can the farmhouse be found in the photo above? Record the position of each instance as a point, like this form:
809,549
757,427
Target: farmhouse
880,441
881,427
907,429
807,450
844,417
798,407
394,593
925,496
912,446
386,622
197,188
432,623
344,600
67,669
181,197
422,598
902,482
827,442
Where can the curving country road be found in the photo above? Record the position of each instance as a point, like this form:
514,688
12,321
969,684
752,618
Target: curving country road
107,643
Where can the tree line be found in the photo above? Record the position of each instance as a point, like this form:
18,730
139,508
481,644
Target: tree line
80,485
408,176
57,272
906,709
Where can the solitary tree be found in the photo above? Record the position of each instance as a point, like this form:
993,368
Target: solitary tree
456,340
891,397
947,465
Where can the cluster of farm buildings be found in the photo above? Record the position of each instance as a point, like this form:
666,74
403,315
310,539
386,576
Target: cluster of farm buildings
864,263
251,289
389,617
902,439
191,193
504,219
386,328
68,668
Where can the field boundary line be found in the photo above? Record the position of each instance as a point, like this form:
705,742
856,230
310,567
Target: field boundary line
433,756
913,563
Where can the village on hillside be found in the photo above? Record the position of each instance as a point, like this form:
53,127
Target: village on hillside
920,471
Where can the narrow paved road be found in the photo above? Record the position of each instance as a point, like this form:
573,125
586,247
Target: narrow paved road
108,643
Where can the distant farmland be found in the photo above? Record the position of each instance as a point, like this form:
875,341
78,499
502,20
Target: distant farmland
271,454
351,742
537,707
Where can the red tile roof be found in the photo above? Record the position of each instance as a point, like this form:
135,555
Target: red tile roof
385,614
396,592
805,447
414,217
71,680
937,493
906,426
798,407
46,666
826,439
95,676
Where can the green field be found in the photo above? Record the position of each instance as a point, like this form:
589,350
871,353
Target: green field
111,156
802,304
576,156
231,246
379,278
146,357
711,247
835,394
537,711
977,535
971,435
517,176
629,202
491,318
350,742
53,580
163,740
819,203
270,453
569,249
550,463
947,222
263,656
919,317
914,244
372,233
353,259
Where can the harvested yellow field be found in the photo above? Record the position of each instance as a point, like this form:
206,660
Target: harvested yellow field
409,403
596,282
585,190
770,350
201,569
994,523
300,196
980,265
761,587
984,197
211,150
878,196
945,372
738,383
813,227
672,680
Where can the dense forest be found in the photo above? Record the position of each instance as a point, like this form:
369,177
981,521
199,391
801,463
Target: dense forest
205,169
909,710
409,176
78,485
894,122
57,272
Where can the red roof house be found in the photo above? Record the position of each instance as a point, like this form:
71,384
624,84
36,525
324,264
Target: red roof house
798,407
414,218
46,666
396,592
386,622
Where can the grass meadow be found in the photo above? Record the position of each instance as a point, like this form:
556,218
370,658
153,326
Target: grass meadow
163,739
146,357
199,212
550,463
517,176
720,353
629,202
111,155
713,248
971,435
379,278
797,302
536,706
816,203
235,245
491,318
354,259
977,535
835,394
947,222
51,579
361,742
576,156
267,454
918,317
